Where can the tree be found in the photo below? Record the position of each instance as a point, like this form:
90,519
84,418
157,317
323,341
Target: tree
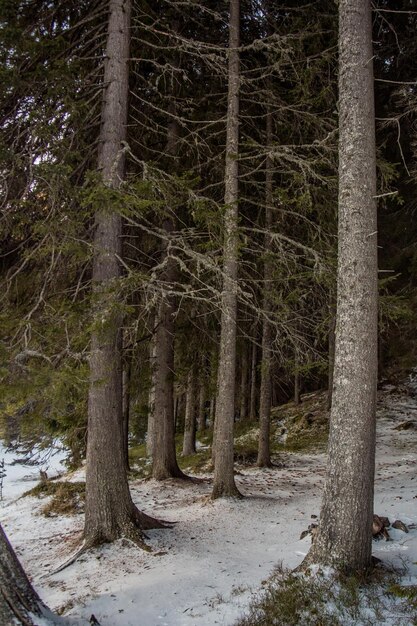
224,482
19,602
344,538
109,511
190,412
264,453
164,460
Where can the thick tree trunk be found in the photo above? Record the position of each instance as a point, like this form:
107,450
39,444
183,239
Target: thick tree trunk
264,453
19,602
109,510
224,481
190,417
345,531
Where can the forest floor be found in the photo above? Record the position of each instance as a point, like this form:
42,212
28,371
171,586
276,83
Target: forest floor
207,568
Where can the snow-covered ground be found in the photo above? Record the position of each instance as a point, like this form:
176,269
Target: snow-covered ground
204,569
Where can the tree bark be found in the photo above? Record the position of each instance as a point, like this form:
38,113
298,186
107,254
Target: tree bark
126,410
201,419
244,375
212,411
164,455
254,363
344,539
151,397
165,463
19,602
264,452
109,510
224,481
190,417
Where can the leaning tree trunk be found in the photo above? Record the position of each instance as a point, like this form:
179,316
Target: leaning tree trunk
345,531
109,510
19,602
224,481
264,452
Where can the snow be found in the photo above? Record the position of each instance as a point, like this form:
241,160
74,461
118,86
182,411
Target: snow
20,477
204,570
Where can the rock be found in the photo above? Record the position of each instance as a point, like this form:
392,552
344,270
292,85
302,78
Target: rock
400,525
312,530
379,528
377,525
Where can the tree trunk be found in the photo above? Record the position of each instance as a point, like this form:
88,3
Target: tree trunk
224,481
164,456
176,410
19,602
126,411
190,421
212,411
109,510
345,532
165,463
264,453
244,375
151,399
201,419
254,363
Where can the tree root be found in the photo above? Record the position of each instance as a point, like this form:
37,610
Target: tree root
227,493
84,548
132,531
146,522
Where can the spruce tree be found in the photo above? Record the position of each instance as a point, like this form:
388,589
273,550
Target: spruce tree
345,532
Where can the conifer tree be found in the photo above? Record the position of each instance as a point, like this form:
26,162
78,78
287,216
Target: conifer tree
224,482
345,532
109,510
